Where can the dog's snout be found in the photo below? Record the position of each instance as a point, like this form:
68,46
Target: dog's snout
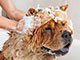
66,35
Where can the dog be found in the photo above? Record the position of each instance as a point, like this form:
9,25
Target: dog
51,38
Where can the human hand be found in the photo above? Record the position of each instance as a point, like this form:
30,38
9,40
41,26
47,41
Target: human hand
27,24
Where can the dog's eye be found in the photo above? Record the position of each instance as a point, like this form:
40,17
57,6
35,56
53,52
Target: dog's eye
63,24
48,28
60,30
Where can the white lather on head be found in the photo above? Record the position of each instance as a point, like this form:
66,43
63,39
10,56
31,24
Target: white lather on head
31,22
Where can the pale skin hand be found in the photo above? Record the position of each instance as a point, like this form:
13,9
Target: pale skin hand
7,23
12,12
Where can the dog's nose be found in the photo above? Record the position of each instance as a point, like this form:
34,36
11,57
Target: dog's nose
67,36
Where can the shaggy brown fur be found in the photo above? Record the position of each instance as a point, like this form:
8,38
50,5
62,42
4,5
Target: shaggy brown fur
28,46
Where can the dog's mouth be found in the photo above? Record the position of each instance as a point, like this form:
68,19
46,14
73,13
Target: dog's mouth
59,52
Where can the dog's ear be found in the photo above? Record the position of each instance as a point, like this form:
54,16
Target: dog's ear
64,7
31,11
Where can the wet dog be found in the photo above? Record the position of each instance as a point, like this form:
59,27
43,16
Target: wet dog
50,36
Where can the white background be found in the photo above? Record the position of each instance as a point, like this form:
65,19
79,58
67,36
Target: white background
73,13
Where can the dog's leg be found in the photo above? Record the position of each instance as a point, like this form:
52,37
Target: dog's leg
2,57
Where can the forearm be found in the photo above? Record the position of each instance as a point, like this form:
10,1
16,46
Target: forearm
11,11
7,24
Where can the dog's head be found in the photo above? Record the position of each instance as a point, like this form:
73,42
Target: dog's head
54,35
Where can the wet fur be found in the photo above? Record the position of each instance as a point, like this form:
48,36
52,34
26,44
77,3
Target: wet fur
27,47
